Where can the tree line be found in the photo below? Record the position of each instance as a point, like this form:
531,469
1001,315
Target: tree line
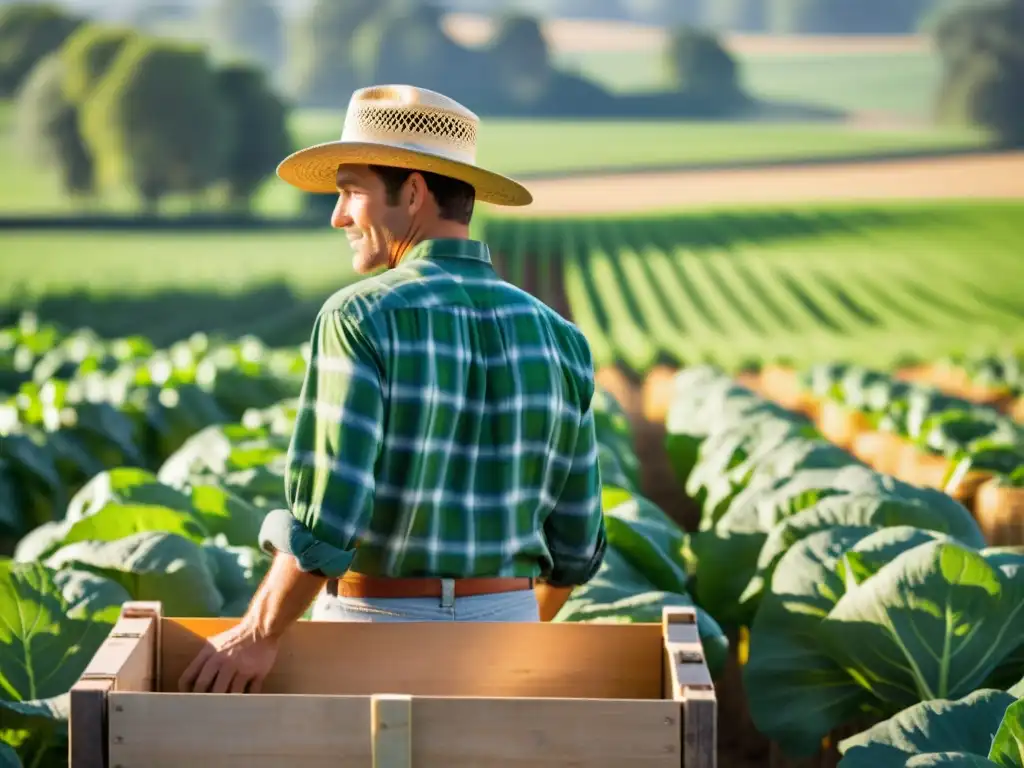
115,107
112,108
982,50
358,43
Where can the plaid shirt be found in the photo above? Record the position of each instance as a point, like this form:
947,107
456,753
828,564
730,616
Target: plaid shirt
444,430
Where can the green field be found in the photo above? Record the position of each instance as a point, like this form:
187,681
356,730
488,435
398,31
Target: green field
168,285
902,84
864,283
867,283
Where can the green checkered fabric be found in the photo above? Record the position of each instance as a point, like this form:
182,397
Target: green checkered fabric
445,430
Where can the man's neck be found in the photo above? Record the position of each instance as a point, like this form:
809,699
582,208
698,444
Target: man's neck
439,230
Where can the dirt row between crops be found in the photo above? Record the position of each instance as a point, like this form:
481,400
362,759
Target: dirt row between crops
575,35
997,175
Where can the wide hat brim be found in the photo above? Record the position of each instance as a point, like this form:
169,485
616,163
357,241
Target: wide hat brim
314,169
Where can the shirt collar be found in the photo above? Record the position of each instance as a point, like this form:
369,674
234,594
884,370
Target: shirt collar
448,248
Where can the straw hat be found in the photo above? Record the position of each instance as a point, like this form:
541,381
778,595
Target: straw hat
408,127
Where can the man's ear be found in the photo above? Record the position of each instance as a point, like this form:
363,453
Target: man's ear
416,193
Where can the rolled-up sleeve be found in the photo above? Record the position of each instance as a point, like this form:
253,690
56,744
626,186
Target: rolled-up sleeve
575,529
329,477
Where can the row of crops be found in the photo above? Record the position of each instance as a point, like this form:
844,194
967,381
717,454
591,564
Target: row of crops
955,426
865,283
869,604
129,472
869,284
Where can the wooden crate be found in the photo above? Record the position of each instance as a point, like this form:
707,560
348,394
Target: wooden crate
401,694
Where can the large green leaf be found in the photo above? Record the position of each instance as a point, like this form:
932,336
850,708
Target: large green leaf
950,760
1008,744
261,486
227,514
615,436
40,541
151,566
618,593
32,469
728,554
966,725
219,450
612,473
237,571
12,518
124,485
43,650
116,521
90,596
8,757
730,446
215,509
185,410
649,540
797,691
37,729
872,510
703,399
769,463
932,623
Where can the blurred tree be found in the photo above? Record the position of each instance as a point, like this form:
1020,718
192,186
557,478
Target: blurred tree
987,93
258,129
253,29
700,66
325,74
521,58
965,29
47,127
982,47
88,53
405,43
157,122
28,32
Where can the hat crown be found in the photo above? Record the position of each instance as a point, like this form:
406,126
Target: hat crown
412,118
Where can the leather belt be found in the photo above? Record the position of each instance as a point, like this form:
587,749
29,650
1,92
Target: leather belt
362,585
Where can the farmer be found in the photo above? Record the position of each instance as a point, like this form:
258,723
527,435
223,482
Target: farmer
444,458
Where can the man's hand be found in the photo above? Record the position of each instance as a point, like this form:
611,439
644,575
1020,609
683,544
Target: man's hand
235,661
238,660
550,599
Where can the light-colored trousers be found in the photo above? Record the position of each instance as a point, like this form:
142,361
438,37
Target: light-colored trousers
504,606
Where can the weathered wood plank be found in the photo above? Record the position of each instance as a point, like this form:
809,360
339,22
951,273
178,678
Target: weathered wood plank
231,731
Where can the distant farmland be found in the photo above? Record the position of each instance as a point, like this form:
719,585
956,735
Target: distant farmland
871,283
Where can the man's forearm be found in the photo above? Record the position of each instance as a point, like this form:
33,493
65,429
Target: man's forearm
283,597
